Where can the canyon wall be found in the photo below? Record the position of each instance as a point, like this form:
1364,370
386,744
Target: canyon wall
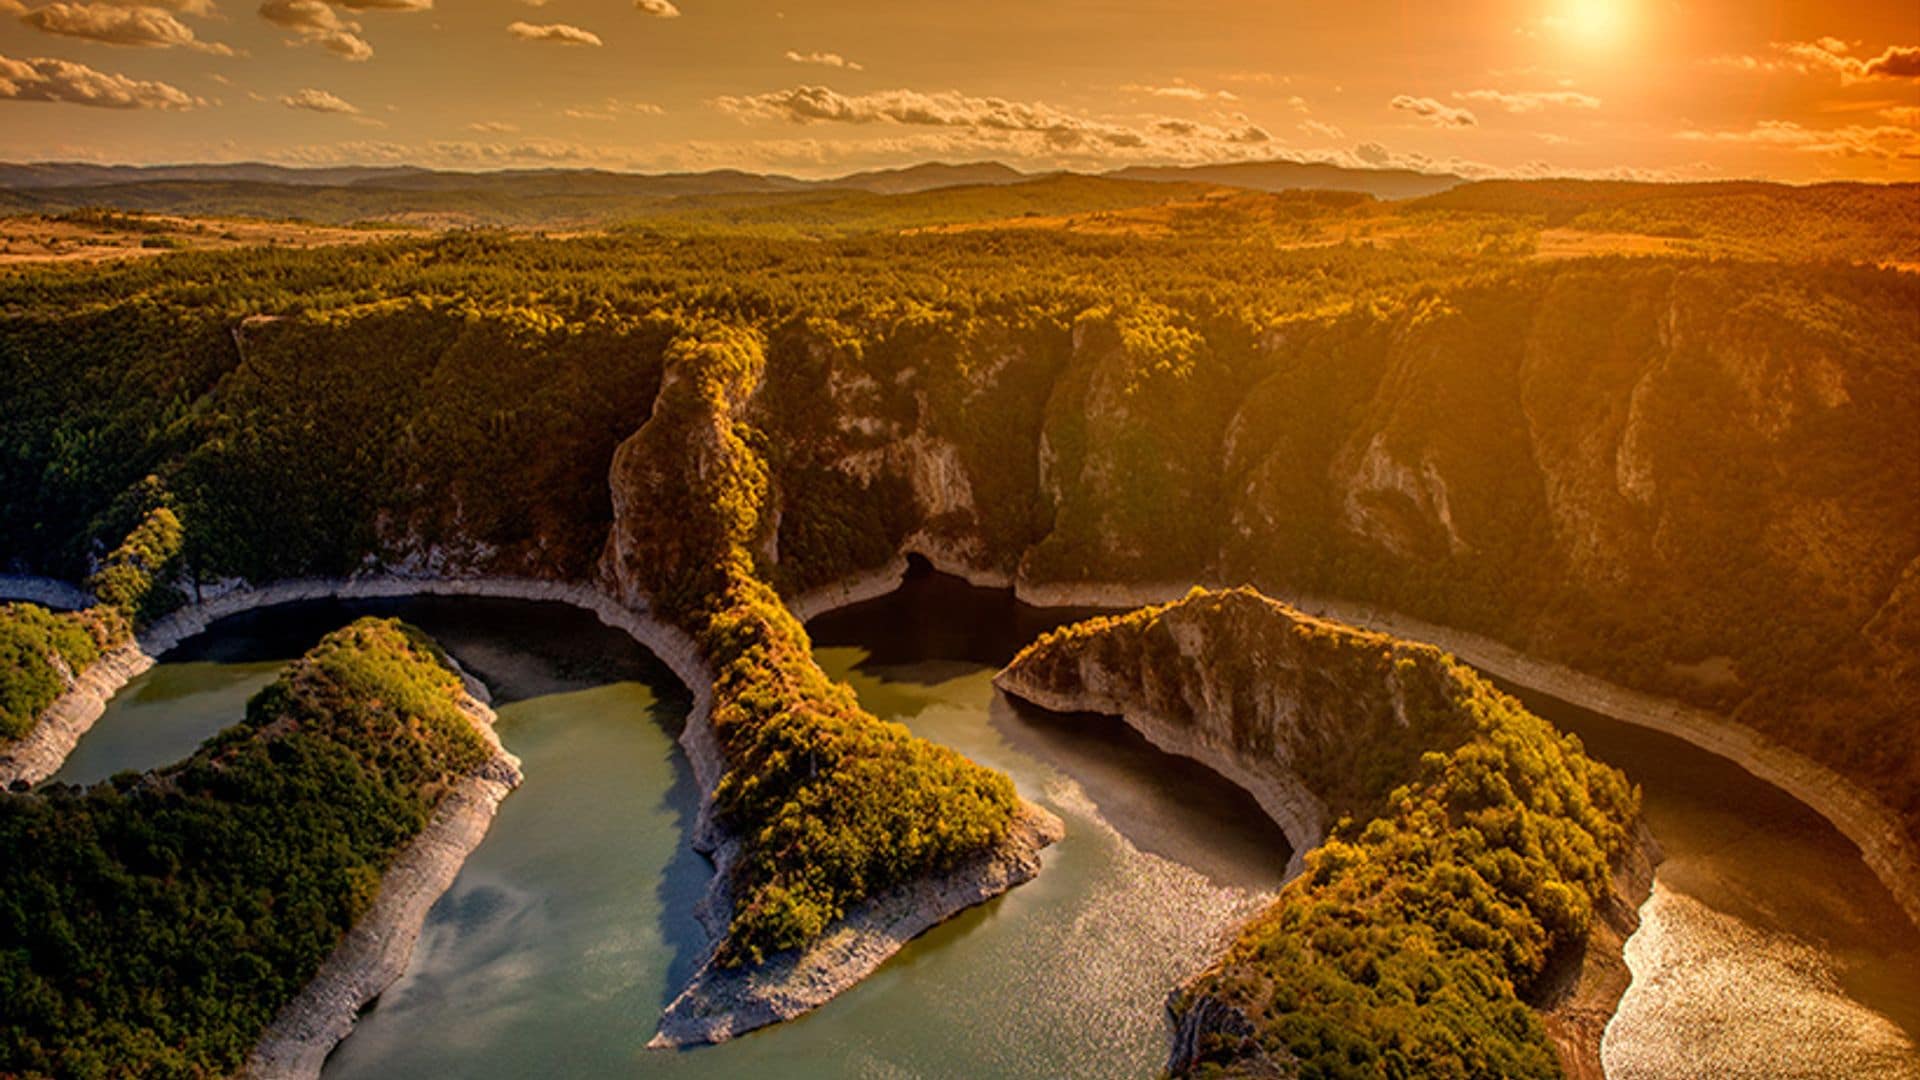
1694,481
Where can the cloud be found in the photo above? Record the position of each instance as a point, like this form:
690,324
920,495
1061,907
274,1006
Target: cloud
612,109
1323,130
1886,142
1828,54
1180,91
304,15
560,33
46,79
1439,113
1898,62
493,127
184,7
660,9
824,59
316,23
386,5
1531,101
319,101
1030,128
143,27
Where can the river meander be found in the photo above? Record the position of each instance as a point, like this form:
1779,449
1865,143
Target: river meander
1769,950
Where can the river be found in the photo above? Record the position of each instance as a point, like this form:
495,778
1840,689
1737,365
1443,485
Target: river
1769,948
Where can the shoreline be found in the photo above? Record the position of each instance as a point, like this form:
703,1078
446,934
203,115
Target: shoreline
1858,816
1854,814
857,945
721,1003
1584,991
376,951
42,750
1287,802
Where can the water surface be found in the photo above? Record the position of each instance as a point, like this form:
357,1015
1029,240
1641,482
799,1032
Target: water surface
1768,950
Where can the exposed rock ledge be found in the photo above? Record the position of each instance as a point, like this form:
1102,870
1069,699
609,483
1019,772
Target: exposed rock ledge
40,752
1883,844
1300,813
375,952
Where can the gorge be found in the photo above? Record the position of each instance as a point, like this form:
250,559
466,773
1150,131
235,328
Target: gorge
1611,472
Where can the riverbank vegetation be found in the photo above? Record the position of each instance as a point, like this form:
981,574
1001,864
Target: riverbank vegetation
1474,843
153,925
42,652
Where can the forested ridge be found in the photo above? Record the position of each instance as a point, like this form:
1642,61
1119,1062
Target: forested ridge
829,805
153,924
1472,845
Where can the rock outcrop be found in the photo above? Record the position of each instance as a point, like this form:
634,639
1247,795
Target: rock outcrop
1320,722
692,526
1690,481
720,1003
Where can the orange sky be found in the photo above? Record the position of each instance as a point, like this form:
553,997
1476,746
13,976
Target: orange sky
1790,90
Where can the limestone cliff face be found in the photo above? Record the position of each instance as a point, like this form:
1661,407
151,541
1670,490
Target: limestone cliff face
684,485
1320,721
1276,701
1696,481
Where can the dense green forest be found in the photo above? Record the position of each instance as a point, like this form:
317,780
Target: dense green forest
1474,846
1690,474
39,651
153,925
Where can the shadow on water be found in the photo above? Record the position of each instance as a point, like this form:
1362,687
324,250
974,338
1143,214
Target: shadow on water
1219,830
937,629
938,617
684,880
519,648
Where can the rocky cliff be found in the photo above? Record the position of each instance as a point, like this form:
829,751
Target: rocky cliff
1691,480
812,809
1464,833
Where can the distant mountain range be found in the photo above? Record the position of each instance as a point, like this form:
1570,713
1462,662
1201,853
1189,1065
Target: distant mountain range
588,183
1292,175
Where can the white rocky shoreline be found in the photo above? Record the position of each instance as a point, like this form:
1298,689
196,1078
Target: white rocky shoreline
719,1003
1857,815
41,751
815,976
375,952
1861,818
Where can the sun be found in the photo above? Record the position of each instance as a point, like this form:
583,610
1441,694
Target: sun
1594,22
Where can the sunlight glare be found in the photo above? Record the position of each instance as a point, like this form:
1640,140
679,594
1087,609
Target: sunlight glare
1594,22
